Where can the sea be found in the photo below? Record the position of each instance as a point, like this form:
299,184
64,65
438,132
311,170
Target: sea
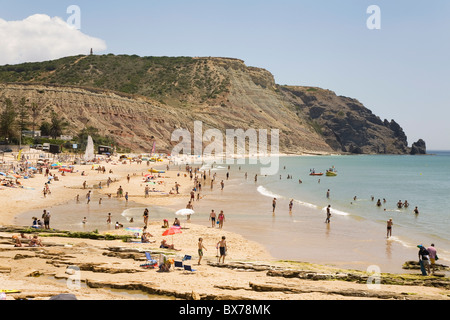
356,236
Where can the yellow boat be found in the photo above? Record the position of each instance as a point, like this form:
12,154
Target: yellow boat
331,172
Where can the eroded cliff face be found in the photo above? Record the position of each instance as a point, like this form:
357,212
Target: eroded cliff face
345,124
131,122
141,100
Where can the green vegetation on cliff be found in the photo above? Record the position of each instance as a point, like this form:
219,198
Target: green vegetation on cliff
179,78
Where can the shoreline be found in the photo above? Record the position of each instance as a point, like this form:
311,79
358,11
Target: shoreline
173,202
241,248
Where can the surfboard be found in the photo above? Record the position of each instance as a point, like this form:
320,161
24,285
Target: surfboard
9,291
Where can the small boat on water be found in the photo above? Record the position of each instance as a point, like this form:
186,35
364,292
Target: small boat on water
331,172
316,174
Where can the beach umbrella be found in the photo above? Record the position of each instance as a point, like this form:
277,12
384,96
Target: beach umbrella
171,231
184,212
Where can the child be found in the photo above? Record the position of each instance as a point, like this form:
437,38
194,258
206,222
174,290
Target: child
200,250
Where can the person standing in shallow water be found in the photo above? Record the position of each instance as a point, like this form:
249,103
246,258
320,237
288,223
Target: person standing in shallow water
212,217
221,219
327,220
389,228
274,204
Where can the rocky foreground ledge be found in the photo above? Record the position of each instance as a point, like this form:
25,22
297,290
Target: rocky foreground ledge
107,269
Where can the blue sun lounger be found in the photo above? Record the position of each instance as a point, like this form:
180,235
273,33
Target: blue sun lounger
150,261
188,268
187,257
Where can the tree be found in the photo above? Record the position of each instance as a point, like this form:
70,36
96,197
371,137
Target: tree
45,128
23,113
8,122
36,109
23,117
57,125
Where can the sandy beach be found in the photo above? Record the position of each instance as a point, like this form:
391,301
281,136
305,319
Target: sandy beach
111,269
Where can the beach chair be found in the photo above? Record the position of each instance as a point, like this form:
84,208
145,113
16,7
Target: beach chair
150,261
187,257
188,268
178,264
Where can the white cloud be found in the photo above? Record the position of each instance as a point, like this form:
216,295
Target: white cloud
40,37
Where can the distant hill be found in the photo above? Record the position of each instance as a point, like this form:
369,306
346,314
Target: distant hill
138,100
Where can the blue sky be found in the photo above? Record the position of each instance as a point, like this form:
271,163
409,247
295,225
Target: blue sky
399,72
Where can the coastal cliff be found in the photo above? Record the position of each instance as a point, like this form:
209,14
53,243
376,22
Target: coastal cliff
141,100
